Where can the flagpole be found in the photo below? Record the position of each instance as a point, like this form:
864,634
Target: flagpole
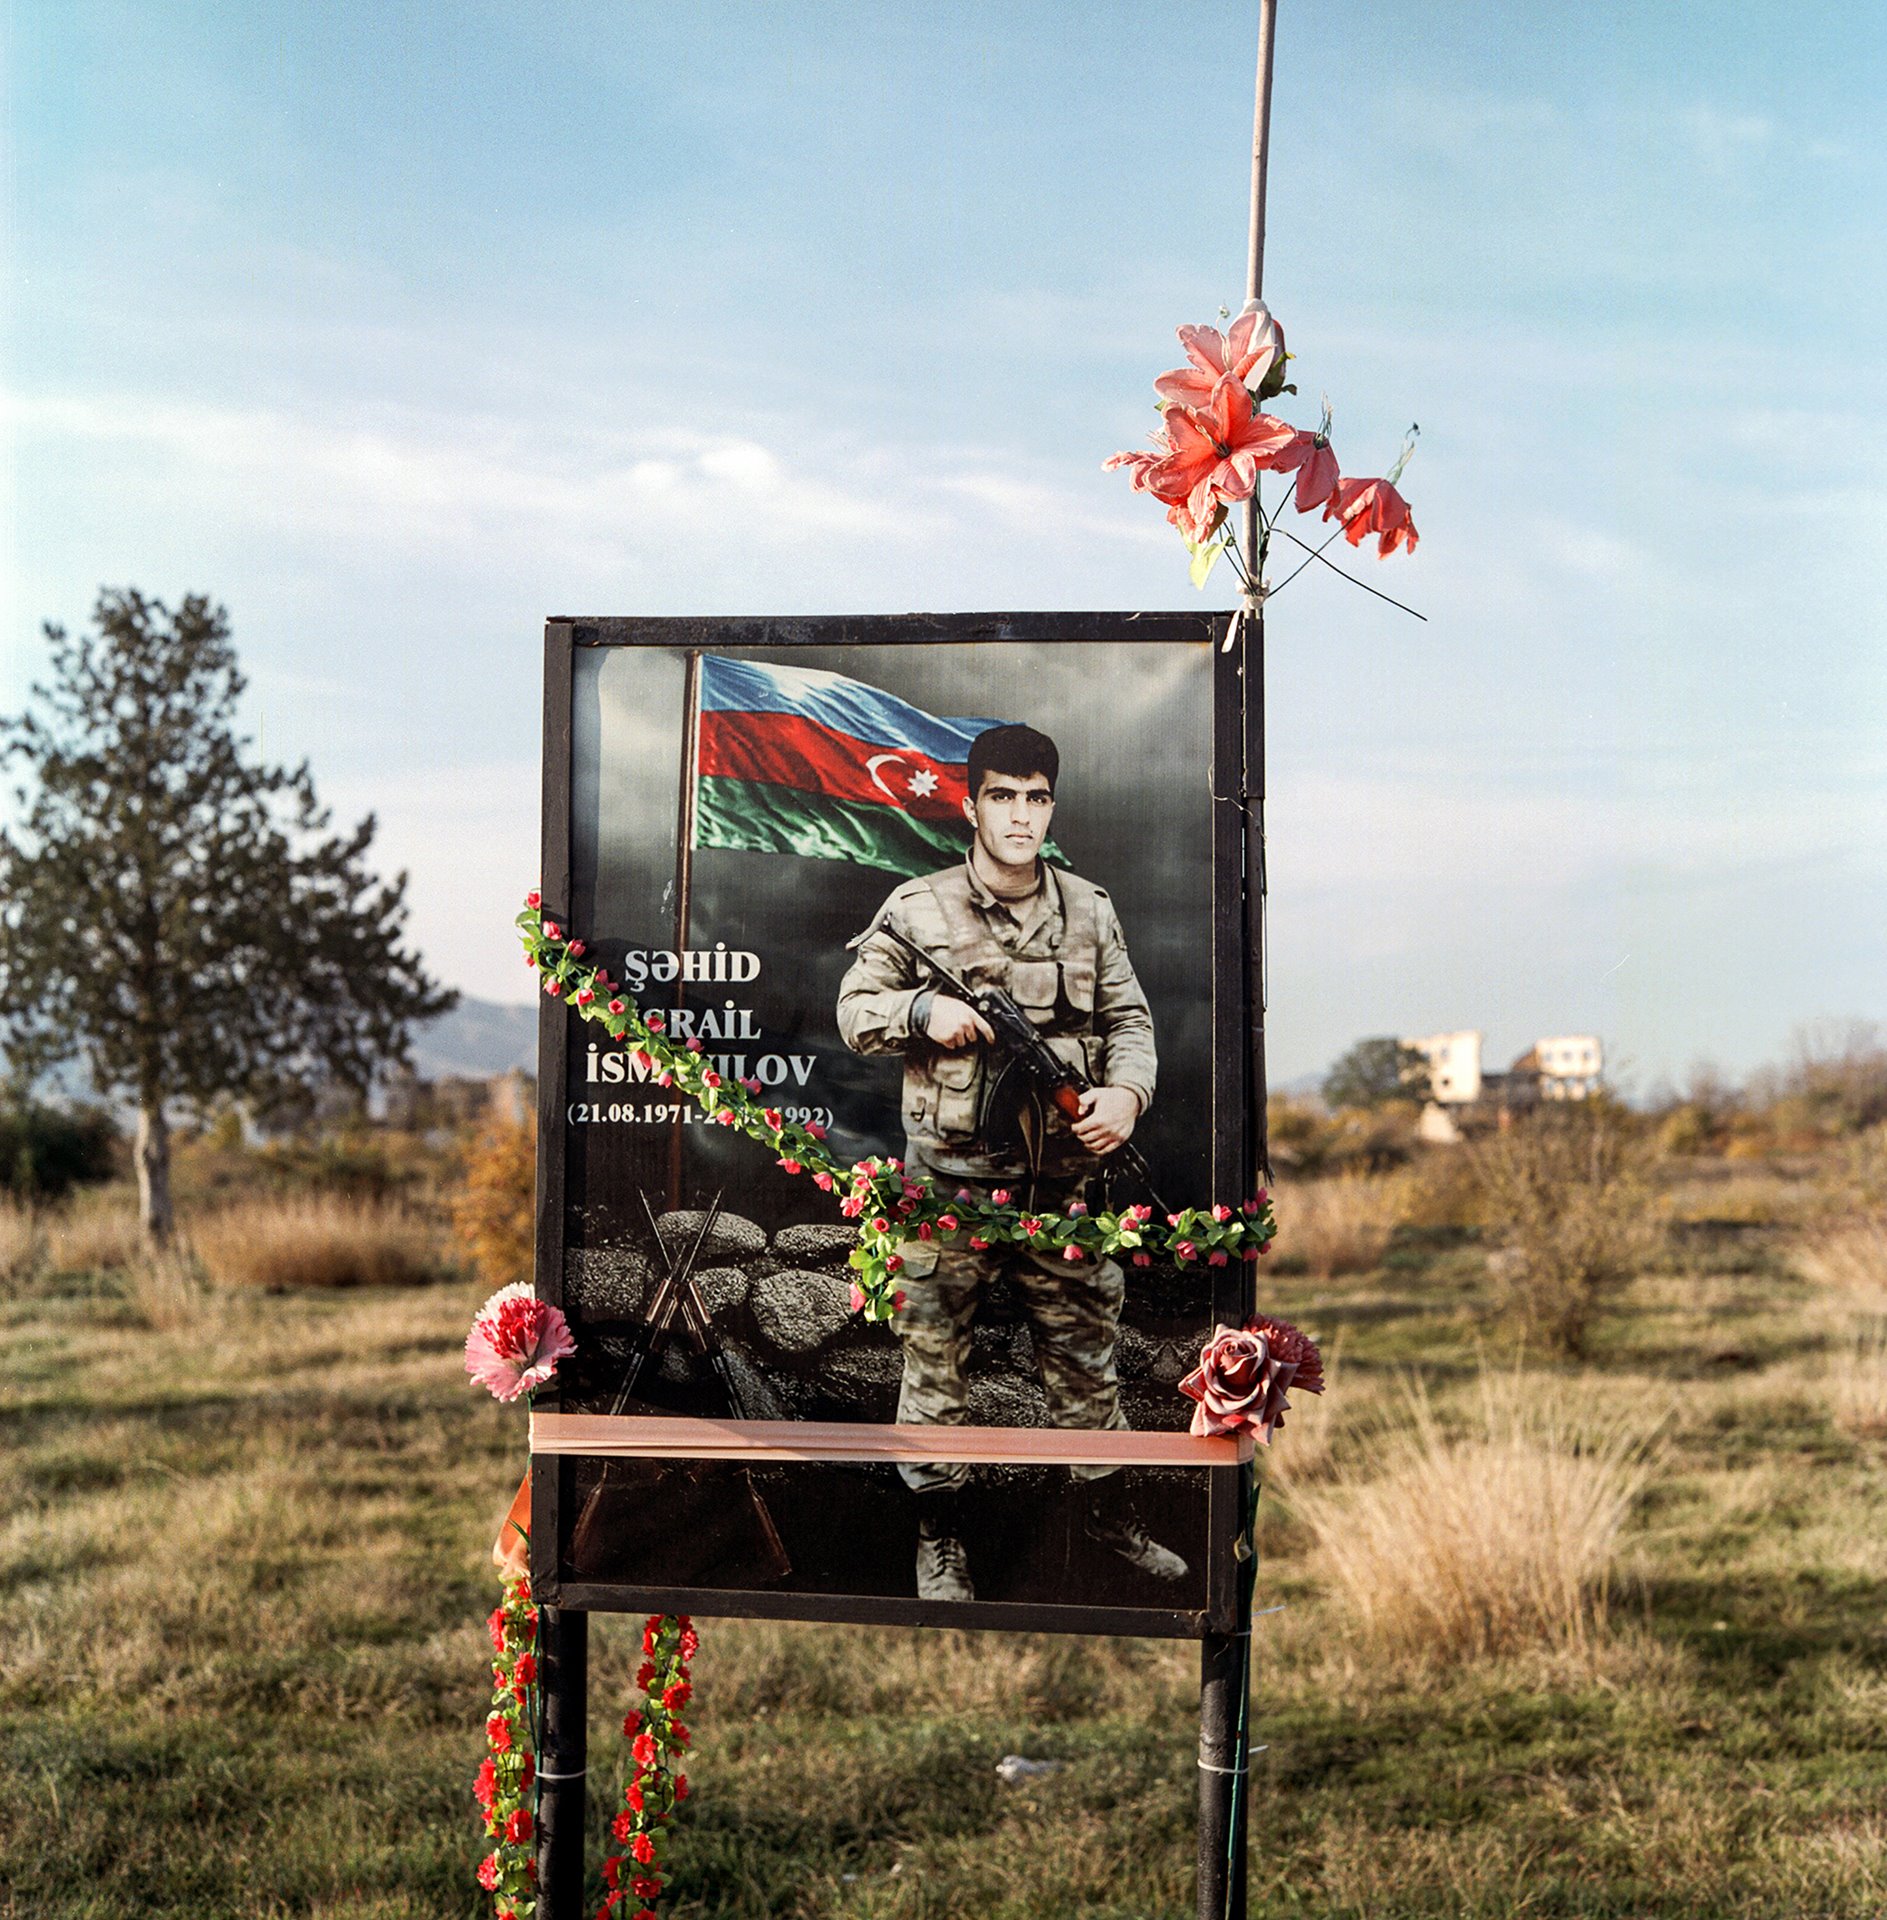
1225,1659
685,870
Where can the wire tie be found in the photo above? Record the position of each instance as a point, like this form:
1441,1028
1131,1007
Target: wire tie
578,1775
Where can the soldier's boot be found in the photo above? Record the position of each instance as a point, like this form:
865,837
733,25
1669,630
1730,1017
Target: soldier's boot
943,1568
1113,1519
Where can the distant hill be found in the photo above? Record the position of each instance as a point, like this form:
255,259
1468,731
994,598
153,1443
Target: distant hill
476,1039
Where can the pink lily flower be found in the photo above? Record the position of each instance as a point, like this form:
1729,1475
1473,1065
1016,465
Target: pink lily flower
1244,352
1364,507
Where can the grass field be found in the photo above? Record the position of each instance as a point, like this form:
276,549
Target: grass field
244,1565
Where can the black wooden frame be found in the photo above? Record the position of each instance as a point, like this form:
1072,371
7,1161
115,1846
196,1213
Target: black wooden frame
1238,1151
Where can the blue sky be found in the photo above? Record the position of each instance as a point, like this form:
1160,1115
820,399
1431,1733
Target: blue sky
397,328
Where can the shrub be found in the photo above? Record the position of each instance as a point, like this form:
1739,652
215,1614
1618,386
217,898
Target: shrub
47,1151
494,1210
321,1241
1485,1544
1570,1215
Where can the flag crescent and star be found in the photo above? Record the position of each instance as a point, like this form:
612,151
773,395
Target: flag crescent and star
795,760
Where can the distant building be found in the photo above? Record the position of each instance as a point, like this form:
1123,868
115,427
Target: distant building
1463,1092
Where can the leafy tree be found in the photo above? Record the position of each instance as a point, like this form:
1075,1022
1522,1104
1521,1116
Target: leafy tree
1375,1071
175,911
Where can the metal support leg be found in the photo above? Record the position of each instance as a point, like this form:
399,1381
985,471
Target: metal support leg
563,1643
1222,1678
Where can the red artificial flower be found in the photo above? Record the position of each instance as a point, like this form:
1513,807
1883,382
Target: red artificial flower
894,1262
1216,1258
752,1085
1031,1226
1244,352
488,1872
526,1670
1000,1196
1317,476
485,1787
947,1222
666,1080
710,1078
823,1181
897,1300
576,949
1185,1250
644,1674
495,1626
612,1866
772,1116
1364,507
498,1733
553,987
631,1725
644,1749
1221,1213
857,1298
693,1045
979,1243
1076,1209
1143,1259
527,1773
1294,1346
678,1733
552,931
643,1848
518,1827
533,899
632,1794
1216,453
653,1021
789,1166
681,1786
1071,1253
621,1828
615,1006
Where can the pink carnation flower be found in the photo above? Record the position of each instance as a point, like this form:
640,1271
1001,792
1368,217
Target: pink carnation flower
515,1342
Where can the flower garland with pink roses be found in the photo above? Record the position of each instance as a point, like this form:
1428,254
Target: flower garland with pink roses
891,1206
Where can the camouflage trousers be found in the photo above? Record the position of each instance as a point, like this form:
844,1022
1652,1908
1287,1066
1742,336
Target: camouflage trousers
1074,1318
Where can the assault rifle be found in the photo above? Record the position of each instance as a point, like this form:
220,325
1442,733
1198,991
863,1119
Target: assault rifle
1018,1043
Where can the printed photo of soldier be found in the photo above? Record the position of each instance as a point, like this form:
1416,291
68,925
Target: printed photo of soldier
1005,985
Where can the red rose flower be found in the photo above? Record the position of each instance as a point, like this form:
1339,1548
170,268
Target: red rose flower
643,1848
533,899
488,1872
518,1827
653,1021
615,1006
789,1166
552,931
576,948
947,1222
1000,1197
1071,1253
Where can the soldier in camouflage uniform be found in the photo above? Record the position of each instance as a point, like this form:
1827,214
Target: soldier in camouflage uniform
1052,942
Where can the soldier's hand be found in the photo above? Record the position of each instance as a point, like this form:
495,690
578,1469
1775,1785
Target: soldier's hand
1107,1118
952,1025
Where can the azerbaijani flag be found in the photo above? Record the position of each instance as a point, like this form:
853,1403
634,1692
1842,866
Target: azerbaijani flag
791,760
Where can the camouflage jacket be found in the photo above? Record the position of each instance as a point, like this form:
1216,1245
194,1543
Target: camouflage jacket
1061,957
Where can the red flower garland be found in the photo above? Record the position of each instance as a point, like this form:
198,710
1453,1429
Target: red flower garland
657,1739
506,1787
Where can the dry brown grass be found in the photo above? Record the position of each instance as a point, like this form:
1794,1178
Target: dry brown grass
166,1290
1857,1382
1483,1544
322,1241
97,1232
1336,1226
1849,1265
19,1241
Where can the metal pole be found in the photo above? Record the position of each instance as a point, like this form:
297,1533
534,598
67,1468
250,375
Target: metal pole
563,1747
1225,1659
